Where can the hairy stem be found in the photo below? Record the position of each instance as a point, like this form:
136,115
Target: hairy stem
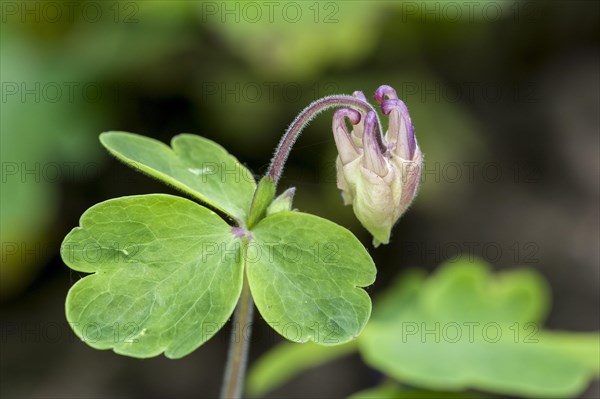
239,343
293,132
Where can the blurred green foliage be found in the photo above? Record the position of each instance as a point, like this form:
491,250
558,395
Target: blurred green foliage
465,328
291,45
58,92
389,391
41,142
461,328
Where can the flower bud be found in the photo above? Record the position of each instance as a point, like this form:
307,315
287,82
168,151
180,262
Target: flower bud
282,203
378,175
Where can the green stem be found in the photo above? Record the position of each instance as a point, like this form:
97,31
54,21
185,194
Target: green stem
306,115
239,343
237,359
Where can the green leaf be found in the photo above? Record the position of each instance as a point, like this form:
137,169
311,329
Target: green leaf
394,392
464,328
262,198
288,360
167,274
305,274
195,165
283,202
582,346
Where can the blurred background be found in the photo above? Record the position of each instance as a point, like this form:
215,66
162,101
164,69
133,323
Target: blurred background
504,96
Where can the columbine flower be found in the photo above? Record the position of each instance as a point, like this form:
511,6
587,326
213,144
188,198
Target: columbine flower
378,175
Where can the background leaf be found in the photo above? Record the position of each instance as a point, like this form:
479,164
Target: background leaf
196,165
161,282
272,49
287,360
392,392
464,328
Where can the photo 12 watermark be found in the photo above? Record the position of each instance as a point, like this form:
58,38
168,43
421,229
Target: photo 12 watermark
471,332
491,92
517,252
26,252
62,332
63,92
265,252
459,172
270,12
61,12
46,172
470,12
237,92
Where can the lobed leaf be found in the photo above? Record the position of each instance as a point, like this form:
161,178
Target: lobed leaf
306,275
196,165
166,275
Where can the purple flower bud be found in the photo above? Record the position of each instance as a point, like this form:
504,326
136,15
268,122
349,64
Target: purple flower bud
378,175
384,91
401,133
373,159
346,148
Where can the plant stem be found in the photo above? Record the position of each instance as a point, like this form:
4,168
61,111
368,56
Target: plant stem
239,343
307,114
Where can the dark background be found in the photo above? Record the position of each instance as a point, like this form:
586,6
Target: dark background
504,97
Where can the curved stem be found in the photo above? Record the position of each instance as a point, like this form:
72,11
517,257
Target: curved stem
237,358
293,132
